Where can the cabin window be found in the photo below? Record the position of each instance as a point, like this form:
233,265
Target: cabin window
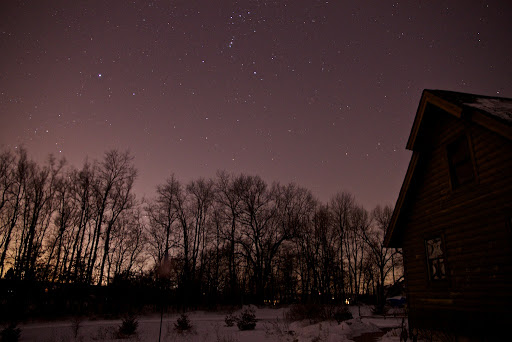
461,165
436,259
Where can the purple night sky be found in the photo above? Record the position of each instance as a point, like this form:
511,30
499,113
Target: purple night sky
320,93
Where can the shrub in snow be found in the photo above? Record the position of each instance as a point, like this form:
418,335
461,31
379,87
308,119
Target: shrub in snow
280,329
309,311
230,320
341,313
76,324
183,324
380,310
247,319
11,333
128,326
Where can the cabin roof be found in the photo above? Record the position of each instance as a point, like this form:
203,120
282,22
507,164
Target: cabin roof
499,108
493,113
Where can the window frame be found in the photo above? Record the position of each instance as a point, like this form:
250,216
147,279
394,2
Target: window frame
431,278
454,180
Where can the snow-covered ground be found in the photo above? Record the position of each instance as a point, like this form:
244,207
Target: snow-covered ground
210,326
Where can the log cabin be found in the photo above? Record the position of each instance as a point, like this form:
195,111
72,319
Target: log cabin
453,217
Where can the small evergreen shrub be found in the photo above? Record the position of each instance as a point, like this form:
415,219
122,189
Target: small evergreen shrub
128,326
247,319
11,333
183,323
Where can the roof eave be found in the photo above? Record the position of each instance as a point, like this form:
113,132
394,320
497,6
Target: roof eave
428,97
390,239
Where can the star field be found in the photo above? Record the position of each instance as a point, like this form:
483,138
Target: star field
321,93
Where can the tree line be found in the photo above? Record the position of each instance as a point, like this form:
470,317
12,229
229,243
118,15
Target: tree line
224,238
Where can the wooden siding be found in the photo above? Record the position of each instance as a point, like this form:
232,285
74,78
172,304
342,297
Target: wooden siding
472,220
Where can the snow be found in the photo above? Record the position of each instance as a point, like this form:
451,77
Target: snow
210,326
501,108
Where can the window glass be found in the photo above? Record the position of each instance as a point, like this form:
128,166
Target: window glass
436,260
461,166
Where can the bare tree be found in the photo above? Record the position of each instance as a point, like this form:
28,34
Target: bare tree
355,247
37,213
268,217
296,210
162,215
193,211
118,167
322,257
341,206
81,187
260,233
128,242
317,246
228,195
214,262
382,258
284,284
62,222
304,251
13,177
7,164
113,193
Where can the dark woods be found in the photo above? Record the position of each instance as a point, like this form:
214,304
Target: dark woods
78,240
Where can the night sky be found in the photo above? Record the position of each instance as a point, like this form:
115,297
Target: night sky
320,93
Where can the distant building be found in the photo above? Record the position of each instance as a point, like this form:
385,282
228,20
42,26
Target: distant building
453,216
